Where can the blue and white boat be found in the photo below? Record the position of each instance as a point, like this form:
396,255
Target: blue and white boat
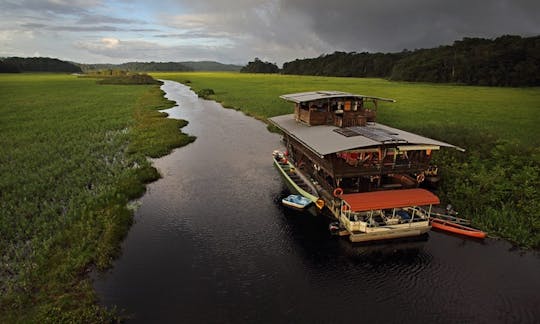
296,201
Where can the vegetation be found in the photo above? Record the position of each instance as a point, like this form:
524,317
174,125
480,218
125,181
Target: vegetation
73,156
38,64
504,61
258,66
494,183
205,93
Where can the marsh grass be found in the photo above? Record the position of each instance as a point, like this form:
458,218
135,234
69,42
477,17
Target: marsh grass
494,183
73,154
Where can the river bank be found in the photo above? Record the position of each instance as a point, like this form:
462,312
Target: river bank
73,156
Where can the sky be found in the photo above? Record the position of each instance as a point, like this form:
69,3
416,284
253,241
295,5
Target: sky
237,31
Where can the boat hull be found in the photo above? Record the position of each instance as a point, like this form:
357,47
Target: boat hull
285,171
457,228
388,235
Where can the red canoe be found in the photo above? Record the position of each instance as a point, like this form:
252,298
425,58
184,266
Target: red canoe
456,228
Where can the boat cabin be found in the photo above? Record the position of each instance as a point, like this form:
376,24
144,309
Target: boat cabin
333,138
337,108
387,214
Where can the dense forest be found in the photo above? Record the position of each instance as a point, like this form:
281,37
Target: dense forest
504,61
258,66
36,64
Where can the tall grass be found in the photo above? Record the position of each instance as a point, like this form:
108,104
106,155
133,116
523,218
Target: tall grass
72,155
495,182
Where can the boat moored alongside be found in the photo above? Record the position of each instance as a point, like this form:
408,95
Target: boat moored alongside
456,228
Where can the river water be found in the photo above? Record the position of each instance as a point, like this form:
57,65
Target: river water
211,243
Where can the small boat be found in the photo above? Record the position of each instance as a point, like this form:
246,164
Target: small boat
296,201
296,180
449,226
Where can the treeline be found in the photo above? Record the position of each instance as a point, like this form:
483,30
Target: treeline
36,64
341,64
258,66
504,61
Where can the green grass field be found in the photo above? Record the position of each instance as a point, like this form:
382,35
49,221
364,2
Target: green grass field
72,156
494,183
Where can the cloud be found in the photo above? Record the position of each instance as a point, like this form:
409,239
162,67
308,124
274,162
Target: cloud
236,31
110,42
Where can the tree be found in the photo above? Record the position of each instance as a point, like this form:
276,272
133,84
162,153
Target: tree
258,66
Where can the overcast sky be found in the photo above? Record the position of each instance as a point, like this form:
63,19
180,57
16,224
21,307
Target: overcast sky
236,31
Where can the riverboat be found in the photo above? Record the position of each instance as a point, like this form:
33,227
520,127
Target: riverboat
334,139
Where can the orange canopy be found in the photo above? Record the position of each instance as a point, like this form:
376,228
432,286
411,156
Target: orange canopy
389,199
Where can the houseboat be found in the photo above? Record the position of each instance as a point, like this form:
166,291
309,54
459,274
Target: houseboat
333,139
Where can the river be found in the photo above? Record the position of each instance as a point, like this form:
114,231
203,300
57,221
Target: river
211,243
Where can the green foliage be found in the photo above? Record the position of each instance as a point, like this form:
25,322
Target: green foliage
258,66
205,93
343,64
41,64
6,67
72,156
504,61
494,182
129,79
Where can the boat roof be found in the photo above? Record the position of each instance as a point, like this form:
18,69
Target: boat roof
389,199
327,139
317,95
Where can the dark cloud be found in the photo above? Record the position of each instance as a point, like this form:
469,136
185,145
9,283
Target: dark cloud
386,25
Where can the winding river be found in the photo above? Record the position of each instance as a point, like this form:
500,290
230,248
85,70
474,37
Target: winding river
211,243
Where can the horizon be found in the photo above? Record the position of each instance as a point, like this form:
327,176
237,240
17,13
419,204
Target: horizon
276,31
279,65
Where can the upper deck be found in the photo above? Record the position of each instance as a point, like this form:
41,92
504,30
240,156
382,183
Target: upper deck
341,109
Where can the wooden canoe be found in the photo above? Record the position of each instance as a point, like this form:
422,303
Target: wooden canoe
451,227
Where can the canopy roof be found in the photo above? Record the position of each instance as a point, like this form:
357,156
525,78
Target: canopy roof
323,140
389,199
317,95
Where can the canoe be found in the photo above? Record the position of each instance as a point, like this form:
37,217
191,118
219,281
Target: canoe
447,226
296,201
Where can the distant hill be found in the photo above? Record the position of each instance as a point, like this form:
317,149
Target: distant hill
163,66
37,64
138,67
504,61
211,66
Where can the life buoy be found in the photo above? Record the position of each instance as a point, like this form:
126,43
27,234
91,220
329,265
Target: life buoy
338,192
420,178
